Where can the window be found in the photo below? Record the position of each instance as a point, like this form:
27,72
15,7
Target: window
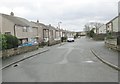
24,29
29,29
8,33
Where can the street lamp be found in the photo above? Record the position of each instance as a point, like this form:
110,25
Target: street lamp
59,27
59,24
59,31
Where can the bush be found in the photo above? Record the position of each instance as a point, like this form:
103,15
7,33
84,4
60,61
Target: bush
12,41
92,34
3,44
109,35
75,37
63,39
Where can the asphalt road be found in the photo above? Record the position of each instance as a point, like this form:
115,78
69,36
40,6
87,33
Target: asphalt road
71,62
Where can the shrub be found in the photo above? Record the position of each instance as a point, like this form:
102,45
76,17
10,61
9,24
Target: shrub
12,41
92,34
109,35
3,44
63,39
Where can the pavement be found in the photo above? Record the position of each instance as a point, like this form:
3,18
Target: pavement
15,59
71,62
107,54
106,62
18,58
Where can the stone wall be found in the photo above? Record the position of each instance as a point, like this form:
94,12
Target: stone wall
100,37
16,51
53,42
112,43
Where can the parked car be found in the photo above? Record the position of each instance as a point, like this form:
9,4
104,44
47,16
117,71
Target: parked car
34,43
70,39
25,44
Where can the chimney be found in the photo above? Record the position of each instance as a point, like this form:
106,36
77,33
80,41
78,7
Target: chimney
12,14
49,25
37,21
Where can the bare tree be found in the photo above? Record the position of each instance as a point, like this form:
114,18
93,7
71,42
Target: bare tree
91,25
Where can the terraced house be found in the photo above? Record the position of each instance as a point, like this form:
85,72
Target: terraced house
27,31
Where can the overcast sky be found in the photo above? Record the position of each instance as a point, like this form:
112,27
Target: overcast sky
73,14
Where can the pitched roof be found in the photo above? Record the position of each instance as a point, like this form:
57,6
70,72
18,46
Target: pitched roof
43,25
33,24
14,20
51,27
24,21
112,19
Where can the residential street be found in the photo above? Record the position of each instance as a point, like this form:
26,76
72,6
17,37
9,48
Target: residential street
71,62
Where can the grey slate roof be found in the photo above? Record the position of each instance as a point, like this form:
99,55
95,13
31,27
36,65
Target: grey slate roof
20,21
16,20
24,21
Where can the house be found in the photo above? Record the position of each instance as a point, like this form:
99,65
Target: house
69,34
44,31
57,34
17,26
64,33
112,27
51,33
82,33
54,35
39,32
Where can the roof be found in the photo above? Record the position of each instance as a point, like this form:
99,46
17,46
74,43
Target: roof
24,21
43,26
51,27
15,20
33,24
112,19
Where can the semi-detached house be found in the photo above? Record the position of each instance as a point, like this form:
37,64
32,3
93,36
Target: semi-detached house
19,27
112,26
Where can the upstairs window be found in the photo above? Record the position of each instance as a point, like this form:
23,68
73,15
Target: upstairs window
24,29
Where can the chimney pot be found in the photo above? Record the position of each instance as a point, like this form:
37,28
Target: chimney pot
37,21
12,14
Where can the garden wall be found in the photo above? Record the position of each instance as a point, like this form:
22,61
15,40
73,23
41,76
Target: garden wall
99,37
16,51
112,43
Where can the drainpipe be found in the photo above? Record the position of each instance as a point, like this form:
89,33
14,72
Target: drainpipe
43,34
14,30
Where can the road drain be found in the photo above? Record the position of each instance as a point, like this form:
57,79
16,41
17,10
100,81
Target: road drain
15,65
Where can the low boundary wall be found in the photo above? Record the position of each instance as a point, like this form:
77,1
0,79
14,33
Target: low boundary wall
17,51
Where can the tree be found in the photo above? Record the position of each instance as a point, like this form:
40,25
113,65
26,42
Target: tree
91,25
92,33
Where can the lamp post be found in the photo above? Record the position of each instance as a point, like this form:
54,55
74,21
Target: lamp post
59,28
59,31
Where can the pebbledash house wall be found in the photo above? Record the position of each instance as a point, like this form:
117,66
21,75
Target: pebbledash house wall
17,30
7,25
40,33
20,34
115,25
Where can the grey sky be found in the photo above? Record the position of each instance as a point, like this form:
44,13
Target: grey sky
73,14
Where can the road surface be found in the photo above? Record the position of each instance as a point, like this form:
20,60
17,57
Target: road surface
71,62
